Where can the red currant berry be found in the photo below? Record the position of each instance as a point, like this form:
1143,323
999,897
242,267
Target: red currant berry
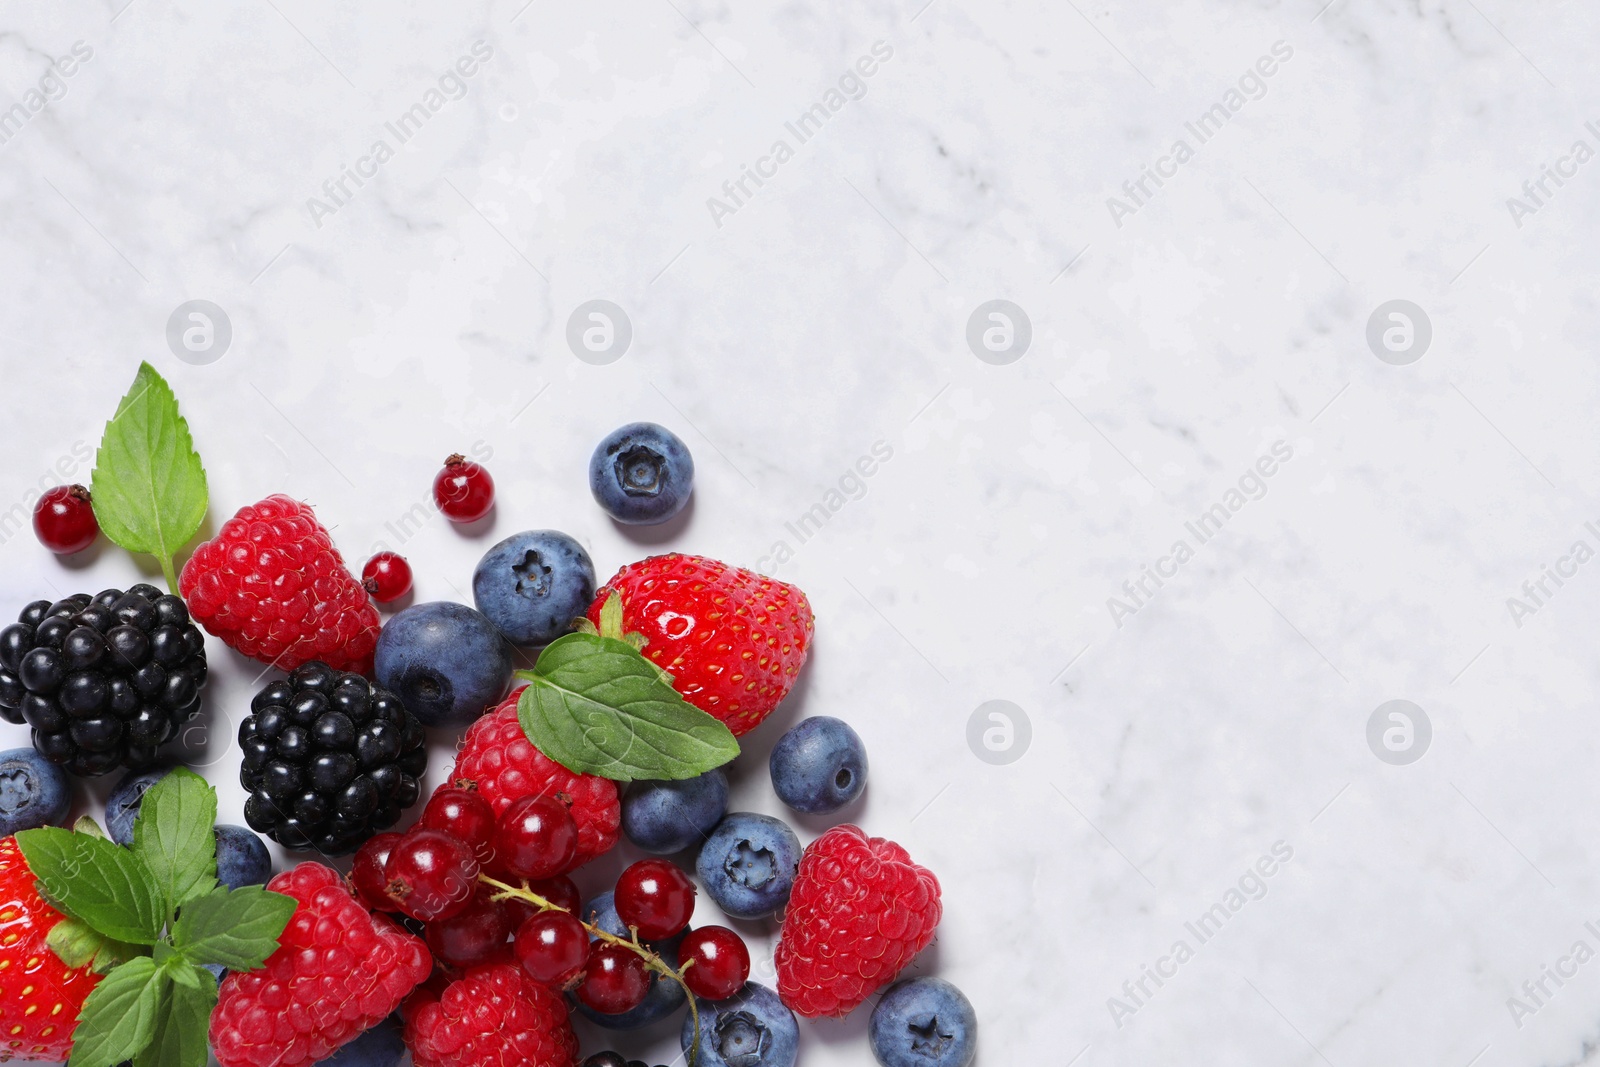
64,521
476,935
463,490
553,947
655,898
387,576
431,874
465,814
721,962
366,873
559,891
614,980
536,837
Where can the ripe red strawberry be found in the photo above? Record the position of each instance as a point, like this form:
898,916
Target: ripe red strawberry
859,912
39,995
494,1016
272,586
499,761
733,640
338,971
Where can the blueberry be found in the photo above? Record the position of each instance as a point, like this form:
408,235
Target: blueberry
381,1046
752,1028
641,474
667,817
533,584
664,997
924,1022
446,661
819,766
748,864
33,791
122,807
242,858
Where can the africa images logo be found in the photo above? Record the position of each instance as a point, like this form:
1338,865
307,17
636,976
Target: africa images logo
451,86
852,85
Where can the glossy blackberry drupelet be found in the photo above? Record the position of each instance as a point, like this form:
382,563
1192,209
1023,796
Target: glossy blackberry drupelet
329,760
105,680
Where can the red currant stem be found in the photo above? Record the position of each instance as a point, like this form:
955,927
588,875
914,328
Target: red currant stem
652,961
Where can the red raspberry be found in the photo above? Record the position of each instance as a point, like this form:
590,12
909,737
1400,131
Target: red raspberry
272,586
494,1016
337,972
500,762
39,995
859,912
733,640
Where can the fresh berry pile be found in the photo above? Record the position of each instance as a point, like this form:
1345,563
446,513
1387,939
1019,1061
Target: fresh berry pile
469,922
329,760
105,680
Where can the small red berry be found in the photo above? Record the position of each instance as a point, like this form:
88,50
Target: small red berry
473,936
64,521
464,814
387,576
559,891
552,947
614,980
656,898
721,962
366,872
431,874
536,838
463,490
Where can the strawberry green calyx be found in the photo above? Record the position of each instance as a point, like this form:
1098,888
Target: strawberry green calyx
611,625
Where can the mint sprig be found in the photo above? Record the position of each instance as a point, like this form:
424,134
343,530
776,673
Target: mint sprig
175,836
236,928
595,705
150,918
149,488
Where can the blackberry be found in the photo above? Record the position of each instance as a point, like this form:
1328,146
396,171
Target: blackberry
105,680
329,760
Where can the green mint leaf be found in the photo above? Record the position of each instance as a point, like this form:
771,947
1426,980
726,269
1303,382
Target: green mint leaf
118,1019
595,705
148,487
77,944
182,1019
175,836
238,928
95,881
86,825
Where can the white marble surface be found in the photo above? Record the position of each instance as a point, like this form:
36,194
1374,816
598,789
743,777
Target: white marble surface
827,312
